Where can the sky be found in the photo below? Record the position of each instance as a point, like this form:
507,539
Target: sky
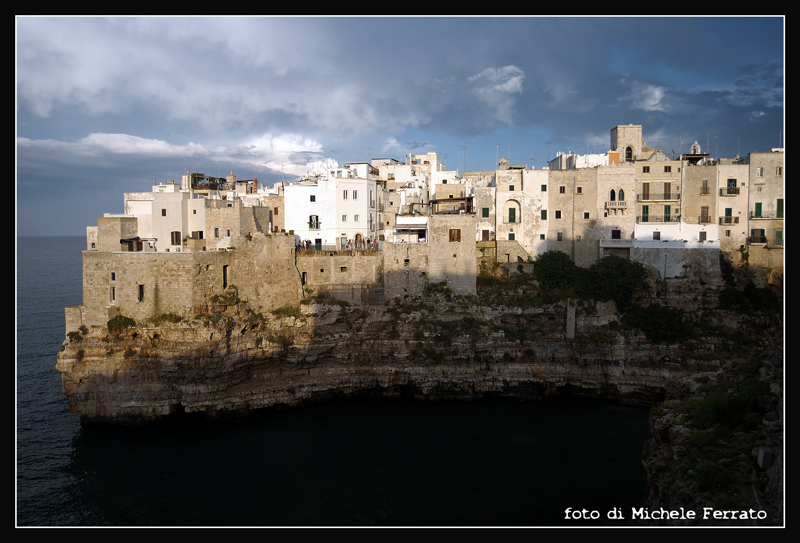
108,105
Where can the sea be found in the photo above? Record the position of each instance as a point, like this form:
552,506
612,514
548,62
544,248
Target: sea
348,463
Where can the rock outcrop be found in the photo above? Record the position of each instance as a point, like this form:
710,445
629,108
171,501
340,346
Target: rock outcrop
236,361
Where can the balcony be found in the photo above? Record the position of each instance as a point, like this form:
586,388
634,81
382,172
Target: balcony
729,220
658,197
658,218
729,191
616,204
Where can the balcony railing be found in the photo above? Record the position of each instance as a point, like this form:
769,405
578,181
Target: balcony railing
729,191
616,204
729,220
658,218
651,197
756,239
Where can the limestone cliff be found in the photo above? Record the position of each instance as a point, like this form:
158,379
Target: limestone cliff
235,361
240,361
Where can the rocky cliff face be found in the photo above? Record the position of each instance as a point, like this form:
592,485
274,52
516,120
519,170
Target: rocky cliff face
237,361
240,361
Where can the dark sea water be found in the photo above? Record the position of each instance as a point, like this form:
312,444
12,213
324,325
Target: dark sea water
344,463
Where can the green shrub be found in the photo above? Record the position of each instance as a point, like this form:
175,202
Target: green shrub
614,278
119,323
555,271
710,476
167,317
287,311
661,324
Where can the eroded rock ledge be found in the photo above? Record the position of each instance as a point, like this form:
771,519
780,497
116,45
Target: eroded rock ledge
240,361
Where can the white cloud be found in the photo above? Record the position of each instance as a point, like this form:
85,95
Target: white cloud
495,87
647,97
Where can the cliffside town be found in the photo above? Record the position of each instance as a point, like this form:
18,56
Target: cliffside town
396,279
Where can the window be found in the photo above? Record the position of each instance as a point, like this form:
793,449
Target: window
645,191
702,236
175,238
759,172
512,236
656,236
779,172
275,211
356,218
586,215
616,234
558,214
704,189
727,233
559,236
778,237
194,212
455,235
355,195
562,189
344,218
544,214
758,210
313,222
544,188
113,276
485,212
343,268
645,169
113,294
140,295
512,215
780,208
541,237
579,190
163,212
216,232
344,195
312,198
667,169
704,216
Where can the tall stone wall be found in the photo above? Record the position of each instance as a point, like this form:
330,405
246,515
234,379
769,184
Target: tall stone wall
405,270
264,273
339,268
143,285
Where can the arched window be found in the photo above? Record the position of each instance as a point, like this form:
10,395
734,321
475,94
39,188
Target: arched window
621,195
628,154
613,195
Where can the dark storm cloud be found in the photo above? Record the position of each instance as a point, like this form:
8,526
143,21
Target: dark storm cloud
106,102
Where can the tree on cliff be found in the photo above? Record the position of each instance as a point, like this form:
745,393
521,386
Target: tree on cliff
614,278
557,273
